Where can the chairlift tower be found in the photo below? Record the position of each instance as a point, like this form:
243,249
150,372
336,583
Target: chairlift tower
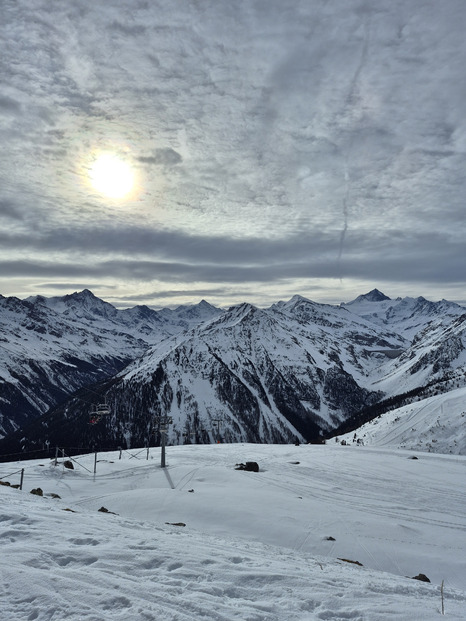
163,423
218,422
190,434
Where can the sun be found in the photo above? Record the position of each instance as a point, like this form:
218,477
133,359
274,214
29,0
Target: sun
111,175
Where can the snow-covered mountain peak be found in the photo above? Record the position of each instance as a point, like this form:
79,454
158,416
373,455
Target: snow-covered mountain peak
36,299
294,302
86,301
373,296
54,346
407,315
203,311
298,299
85,294
241,310
205,305
83,298
80,304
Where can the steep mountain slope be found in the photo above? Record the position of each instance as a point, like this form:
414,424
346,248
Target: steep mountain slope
293,371
49,348
271,375
296,370
437,353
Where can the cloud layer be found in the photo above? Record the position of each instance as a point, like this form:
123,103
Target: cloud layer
280,148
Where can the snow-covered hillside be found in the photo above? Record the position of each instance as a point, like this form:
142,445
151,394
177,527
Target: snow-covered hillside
298,369
51,347
270,374
201,540
436,424
295,370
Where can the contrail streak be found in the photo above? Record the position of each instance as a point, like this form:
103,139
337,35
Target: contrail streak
345,220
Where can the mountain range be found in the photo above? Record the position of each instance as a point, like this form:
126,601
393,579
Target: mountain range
296,371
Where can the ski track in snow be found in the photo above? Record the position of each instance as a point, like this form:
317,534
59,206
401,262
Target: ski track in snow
255,546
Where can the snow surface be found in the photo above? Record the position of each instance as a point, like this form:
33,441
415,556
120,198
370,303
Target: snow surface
254,546
436,424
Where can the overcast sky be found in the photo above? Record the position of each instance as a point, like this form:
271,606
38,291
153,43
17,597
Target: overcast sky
315,147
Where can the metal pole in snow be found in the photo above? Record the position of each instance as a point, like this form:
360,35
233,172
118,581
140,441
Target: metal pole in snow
95,462
164,422
441,592
56,455
22,477
162,462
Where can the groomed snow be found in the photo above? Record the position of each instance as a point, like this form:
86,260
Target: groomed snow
254,546
436,424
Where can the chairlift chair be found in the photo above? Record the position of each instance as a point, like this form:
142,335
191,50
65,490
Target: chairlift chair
102,409
97,411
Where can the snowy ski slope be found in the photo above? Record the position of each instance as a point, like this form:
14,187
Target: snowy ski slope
201,540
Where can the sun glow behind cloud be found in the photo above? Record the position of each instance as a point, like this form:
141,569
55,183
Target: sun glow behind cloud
111,175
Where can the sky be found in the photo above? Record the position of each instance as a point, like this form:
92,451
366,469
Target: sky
262,149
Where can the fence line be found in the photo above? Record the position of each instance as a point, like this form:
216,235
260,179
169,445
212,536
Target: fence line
136,455
65,455
75,461
83,450
86,451
16,472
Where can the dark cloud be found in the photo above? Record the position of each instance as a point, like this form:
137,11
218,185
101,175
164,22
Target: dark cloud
128,30
165,294
9,105
177,258
164,157
9,209
173,245
72,285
